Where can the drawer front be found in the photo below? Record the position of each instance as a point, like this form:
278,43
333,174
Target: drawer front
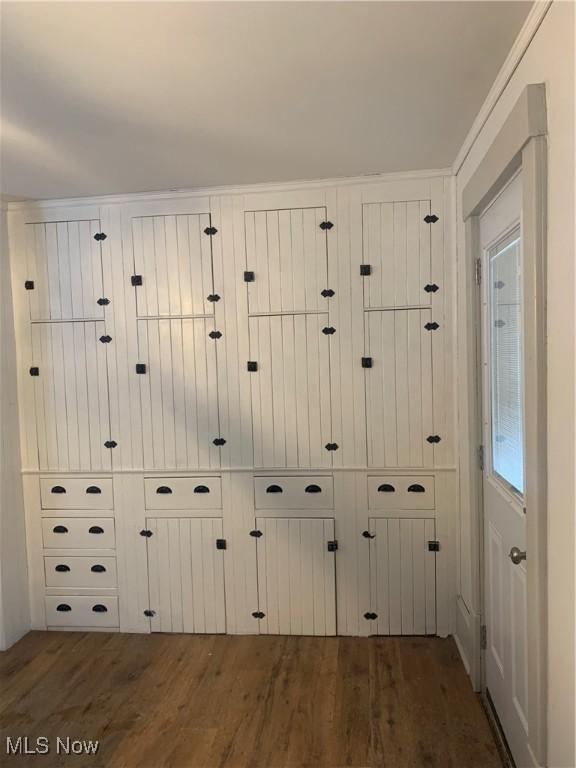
294,492
78,532
80,571
81,611
76,493
408,492
183,492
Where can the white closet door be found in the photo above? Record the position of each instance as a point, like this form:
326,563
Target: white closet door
71,396
399,388
296,576
186,575
287,251
179,394
396,245
65,264
173,255
403,576
291,407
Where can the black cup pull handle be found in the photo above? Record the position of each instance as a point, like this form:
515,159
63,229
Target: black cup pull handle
386,488
416,488
313,489
60,529
61,568
99,608
63,607
163,489
58,489
95,529
93,489
274,489
98,568
201,489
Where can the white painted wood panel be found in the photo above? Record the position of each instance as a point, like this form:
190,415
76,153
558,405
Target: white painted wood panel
393,492
186,575
71,396
80,571
308,492
296,576
399,388
76,493
402,576
81,611
78,533
291,398
179,393
183,492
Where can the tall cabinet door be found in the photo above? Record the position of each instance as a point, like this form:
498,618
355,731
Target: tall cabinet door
296,576
399,388
71,395
291,403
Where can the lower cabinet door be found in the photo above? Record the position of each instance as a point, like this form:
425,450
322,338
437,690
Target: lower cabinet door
402,577
186,575
296,576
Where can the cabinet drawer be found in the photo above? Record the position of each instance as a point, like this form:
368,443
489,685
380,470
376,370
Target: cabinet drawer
80,571
76,493
294,492
183,492
408,492
81,611
78,532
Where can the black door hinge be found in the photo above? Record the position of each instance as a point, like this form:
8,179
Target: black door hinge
146,533
431,218
483,638
368,535
328,331
258,614
29,285
431,288
149,613
332,546
434,546
370,616
365,270
433,438
331,446
219,441
481,457
140,367
327,293
213,297
103,302
100,236
215,334
256,533
252,366
248,277
432,326
110,444
136,279
34,371
326,225
106,339
366,362
220,543
210,231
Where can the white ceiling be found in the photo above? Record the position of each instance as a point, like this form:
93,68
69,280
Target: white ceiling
119,97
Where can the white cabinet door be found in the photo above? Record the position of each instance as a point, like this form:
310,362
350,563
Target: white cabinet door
396,244
287,252
291,405
64,263
399,389
296,576
186,575
179,393
71,396
402,577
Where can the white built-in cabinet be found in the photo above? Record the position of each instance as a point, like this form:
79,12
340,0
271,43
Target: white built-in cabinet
237,409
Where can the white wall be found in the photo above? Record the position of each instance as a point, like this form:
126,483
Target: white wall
549,59
14,613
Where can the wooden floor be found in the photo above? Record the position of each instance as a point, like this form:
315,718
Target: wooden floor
197,701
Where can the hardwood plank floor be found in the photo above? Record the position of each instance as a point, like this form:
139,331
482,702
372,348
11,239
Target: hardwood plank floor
207,701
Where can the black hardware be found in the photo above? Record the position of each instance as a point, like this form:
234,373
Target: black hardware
213,297
201,489
58,489
256,534
163,489
499,284
499,323
215,334
93,489
313,489
258,615
368,535
136,280
433,438
60,529
106,339
274,489
431,326
210,231
416,488
252,366
29,285
331,446
145,532
326,225
63,607
329,331
431,288
100,236
149,613
140,367
248,277
386,488
110,444
370,616
219,441
327,293
366,362
95,529
365,269
103,302
220,543
332,545
431,218
34,371
99,608
434,546
61,568
98,568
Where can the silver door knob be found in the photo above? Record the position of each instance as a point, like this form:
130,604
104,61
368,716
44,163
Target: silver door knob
516,555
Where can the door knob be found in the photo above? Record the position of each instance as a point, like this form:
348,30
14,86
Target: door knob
516,555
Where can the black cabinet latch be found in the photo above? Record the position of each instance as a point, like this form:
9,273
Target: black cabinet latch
103,302
213,297
328,331
110,444
431,288
149,613
220,543
331,446
366,362
248,277
215,334
145,532
105,339
136,280
256,534
219,441
140,367
327,293
258,615
100,236
365,270
326,225
29,285
431,326
252,366
431,218
433,438
332,546
434,546
34,371
371,616
210,231
368,535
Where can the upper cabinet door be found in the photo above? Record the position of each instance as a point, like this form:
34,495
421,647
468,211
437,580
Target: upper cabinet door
396,246
173,259
286,250
64,270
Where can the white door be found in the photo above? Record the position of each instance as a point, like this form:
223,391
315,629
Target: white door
506,673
